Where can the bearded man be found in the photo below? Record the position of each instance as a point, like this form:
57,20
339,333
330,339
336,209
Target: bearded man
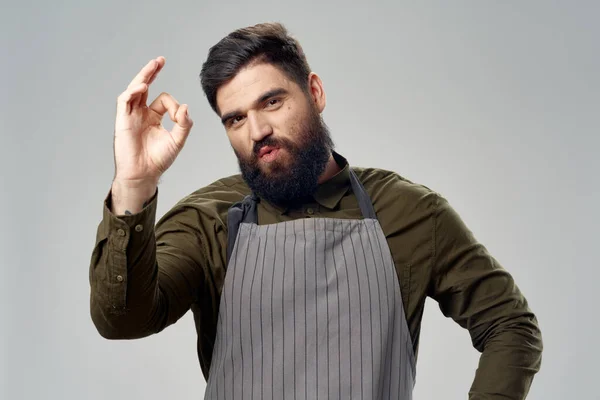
307,277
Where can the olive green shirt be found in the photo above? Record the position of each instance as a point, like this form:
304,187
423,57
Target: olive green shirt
144,277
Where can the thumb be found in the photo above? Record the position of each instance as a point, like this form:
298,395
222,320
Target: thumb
183,125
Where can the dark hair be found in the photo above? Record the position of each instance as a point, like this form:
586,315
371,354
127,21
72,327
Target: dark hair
266,42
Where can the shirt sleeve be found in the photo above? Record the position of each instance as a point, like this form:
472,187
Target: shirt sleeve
143,278
473,289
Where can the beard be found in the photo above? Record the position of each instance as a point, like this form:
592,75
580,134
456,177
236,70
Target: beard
290,180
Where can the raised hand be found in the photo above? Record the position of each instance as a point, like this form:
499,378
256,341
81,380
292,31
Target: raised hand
143,148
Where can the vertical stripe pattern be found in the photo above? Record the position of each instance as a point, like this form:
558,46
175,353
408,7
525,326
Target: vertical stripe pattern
311,309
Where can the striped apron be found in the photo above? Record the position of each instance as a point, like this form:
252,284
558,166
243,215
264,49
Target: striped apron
310,309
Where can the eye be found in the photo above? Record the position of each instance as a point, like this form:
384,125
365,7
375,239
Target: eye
235,120
273,102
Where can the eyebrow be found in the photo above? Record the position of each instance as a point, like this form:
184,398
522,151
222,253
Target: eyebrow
265,96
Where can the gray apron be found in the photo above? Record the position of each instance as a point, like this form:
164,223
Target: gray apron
310,309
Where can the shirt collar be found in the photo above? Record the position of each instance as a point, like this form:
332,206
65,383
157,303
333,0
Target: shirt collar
328,193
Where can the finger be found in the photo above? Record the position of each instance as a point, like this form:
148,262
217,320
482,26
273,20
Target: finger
128,97
145,73
165,103
183,124
161,63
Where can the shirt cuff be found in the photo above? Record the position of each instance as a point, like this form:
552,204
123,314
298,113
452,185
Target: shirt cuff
126,231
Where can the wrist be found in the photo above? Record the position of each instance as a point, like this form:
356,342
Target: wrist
131,196
135,184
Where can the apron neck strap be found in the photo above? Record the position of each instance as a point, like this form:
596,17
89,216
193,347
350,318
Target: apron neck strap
242,211
364,201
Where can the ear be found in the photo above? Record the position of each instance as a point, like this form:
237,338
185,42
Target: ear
317,92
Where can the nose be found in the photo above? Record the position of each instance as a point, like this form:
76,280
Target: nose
259,127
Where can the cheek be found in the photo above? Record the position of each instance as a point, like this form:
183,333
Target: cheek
290,124
239,144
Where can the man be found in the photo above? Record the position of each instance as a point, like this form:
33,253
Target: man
306,277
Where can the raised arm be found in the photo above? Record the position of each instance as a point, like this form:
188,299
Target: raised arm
140,284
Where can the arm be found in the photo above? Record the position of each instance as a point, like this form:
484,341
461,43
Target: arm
142,279
480,295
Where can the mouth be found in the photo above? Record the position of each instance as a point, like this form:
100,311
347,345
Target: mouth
268,153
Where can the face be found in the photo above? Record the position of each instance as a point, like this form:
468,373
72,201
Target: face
276,131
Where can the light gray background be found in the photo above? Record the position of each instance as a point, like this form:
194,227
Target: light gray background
493,104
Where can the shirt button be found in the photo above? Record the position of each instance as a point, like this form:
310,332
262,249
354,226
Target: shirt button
121,232
139,228
120,278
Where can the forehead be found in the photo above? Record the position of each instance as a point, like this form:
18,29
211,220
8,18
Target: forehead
249,83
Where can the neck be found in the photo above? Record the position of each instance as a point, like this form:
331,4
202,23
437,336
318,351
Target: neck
331,169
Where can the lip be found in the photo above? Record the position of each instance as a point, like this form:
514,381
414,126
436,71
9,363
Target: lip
266,150
270,156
